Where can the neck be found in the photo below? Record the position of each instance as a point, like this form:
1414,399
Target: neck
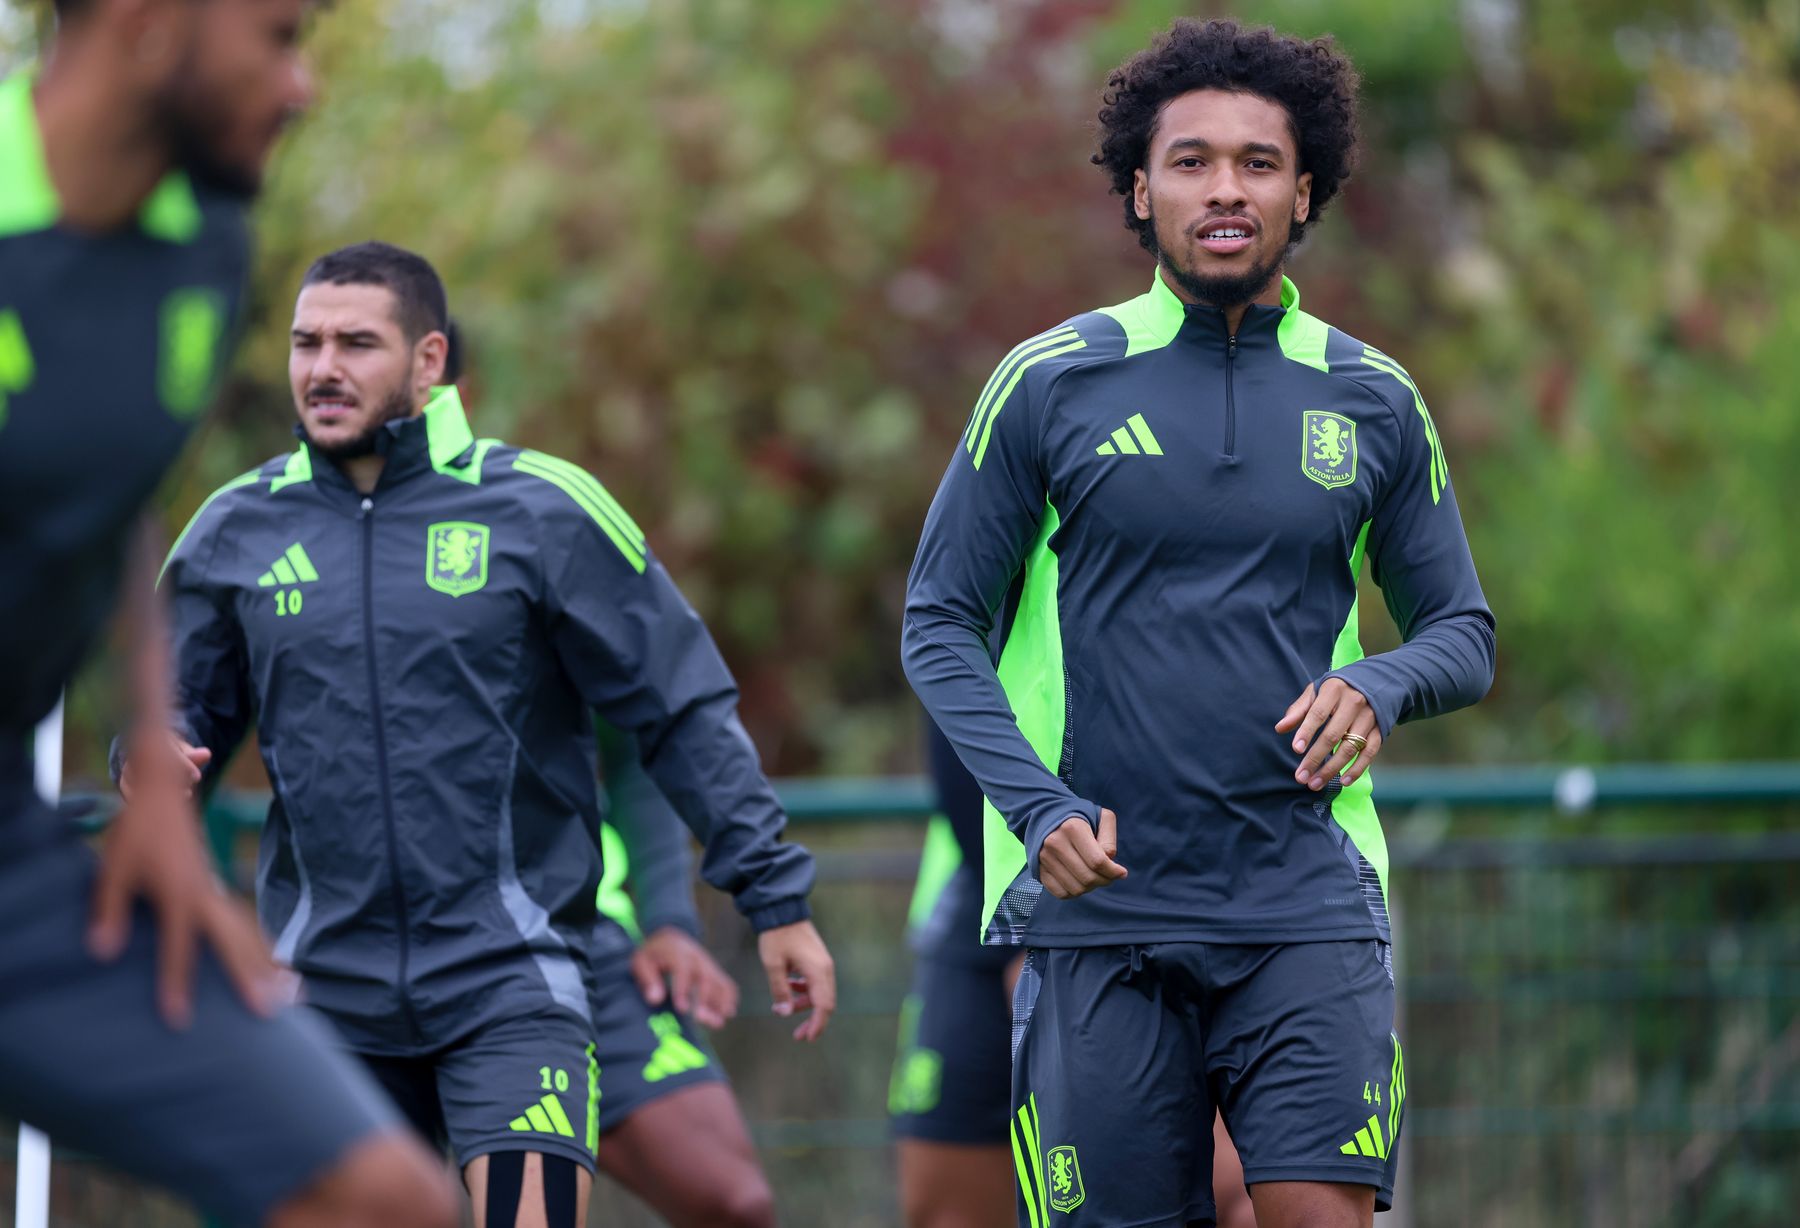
1268,296
103,155
364,471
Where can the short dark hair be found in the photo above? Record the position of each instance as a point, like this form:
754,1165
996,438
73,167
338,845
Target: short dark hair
420,303
1311,79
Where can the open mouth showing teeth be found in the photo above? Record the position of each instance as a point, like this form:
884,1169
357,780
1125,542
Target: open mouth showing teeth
1228,233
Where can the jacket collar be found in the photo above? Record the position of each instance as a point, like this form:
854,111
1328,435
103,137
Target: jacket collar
437,438
1210,321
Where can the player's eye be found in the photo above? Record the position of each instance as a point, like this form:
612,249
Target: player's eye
1187,163
1261,164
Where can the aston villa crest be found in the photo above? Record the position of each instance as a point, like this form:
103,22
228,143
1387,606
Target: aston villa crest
1328,448
456,556
1066,1189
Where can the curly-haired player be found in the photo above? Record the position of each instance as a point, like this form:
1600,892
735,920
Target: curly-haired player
1158,514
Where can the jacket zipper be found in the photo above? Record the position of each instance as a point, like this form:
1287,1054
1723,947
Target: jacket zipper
367,516
1230,400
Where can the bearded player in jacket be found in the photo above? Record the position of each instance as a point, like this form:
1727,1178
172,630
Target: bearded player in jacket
1159,512
421,626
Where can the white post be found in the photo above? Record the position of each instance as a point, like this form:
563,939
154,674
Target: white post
31,1208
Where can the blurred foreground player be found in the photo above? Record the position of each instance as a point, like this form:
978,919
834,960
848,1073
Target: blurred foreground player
125,165
952,1075
422,626
1161,509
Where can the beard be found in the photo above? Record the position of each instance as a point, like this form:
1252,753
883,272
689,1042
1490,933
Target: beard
397,404
197,125
1219,289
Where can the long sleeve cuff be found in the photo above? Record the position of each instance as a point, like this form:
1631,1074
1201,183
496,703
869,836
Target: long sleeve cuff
782,912
1039,827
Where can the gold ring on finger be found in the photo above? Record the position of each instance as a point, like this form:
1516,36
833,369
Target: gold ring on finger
1357,742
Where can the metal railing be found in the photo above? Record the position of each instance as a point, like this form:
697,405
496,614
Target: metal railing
1600,995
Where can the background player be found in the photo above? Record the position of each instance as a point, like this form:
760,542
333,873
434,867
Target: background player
1164,506
124,168
420,624
671,1131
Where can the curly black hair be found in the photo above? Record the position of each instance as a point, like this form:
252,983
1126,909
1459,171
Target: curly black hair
1312,80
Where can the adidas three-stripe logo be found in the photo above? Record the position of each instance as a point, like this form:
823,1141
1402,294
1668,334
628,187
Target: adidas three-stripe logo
1368,1141
545,1117
1132,439
293,567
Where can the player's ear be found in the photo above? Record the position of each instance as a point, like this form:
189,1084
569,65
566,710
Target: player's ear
1303,197
1140,194
430,357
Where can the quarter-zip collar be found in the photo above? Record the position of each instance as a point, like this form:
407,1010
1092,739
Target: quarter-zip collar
1203,323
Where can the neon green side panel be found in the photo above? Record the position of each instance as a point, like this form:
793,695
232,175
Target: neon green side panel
612,899
1354,809
937,862
242,479
1349,644
1031,673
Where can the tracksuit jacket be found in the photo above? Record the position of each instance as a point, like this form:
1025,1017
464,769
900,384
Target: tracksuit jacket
422,665
1161,523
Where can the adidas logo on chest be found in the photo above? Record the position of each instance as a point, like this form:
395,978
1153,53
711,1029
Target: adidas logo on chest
1135,438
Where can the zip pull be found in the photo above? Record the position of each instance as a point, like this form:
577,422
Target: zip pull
368,505
1231,346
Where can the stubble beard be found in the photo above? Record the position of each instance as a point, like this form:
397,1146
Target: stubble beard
197,126
1222,290
397,404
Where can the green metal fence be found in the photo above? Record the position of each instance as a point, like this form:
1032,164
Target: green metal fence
1600,983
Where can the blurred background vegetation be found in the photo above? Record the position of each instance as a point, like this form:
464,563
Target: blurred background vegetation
750,261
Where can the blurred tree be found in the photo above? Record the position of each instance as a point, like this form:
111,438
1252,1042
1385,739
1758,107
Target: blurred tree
751,261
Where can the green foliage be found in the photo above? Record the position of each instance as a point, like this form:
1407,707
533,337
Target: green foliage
750,262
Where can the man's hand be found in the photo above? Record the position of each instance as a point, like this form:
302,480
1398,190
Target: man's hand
1074,860
192,761
1333,712
671,966
153,851
801,975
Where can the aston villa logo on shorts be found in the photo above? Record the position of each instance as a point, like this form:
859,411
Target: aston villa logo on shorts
456,556
1328,448
1066,1190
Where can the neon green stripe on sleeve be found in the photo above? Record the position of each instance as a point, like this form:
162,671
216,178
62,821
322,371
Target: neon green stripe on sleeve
634,553
999,402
